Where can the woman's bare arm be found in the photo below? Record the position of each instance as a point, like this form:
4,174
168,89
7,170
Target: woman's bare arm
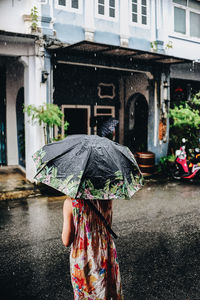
68,224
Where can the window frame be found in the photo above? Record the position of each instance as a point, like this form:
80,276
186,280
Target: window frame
106,14
139,22
68,7
188,10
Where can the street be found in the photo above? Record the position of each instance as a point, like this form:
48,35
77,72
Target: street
158,245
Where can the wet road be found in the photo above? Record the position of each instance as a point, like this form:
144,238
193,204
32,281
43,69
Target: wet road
158,246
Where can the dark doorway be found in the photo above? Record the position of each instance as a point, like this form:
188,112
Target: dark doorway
136,123
2,115
77,119
20,126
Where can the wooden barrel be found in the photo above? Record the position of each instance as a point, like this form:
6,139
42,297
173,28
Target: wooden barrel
146,162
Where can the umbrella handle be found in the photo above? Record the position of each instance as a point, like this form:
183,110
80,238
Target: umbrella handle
105,223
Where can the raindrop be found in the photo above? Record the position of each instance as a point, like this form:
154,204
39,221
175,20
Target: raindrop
55,66
5,43
131,87
95,54
131,73
131,58
8,207
13,273
95,68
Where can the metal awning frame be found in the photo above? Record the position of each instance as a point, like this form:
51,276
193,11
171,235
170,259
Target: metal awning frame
103,56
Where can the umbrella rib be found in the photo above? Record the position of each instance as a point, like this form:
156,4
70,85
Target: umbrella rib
113,160
86,162
57,156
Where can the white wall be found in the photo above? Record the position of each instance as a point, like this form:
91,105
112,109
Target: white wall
34,93
12,11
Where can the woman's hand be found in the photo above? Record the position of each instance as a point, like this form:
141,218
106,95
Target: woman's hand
68,224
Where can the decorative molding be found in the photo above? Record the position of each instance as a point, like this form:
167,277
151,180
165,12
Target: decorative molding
89,34
124,41
103,95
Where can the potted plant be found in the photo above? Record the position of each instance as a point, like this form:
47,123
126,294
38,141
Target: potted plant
47,115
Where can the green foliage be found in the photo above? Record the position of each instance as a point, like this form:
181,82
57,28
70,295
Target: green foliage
154,45
169,45
49,114
46,115
165,164
34,17
185,122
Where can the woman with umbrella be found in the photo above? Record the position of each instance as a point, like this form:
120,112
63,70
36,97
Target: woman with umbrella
93,260
91,171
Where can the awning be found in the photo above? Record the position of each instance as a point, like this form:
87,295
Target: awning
4,35
109,56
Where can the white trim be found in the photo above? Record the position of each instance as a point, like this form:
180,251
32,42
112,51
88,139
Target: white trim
112,114
68,6
88,107
188,10
112,108
108,85
159,16
139,14
106,15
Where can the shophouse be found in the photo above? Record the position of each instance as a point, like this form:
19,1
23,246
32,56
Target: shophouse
96,59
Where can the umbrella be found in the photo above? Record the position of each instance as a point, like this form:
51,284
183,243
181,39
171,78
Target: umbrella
108,127
88,167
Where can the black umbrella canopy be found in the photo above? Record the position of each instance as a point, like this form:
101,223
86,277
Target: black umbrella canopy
89,167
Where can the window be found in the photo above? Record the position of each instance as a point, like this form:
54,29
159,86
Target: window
62,2
139,12
106,9
70,5
187,17
74,4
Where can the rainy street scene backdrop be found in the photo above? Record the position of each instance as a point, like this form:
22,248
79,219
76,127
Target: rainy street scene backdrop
122,71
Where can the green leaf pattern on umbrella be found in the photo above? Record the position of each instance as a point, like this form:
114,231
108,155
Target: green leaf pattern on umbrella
78,185
67,186
37,157
122,189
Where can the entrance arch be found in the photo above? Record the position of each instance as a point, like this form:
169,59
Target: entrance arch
136,123
20,126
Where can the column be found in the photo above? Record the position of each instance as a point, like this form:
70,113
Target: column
124,22
89,20
34,93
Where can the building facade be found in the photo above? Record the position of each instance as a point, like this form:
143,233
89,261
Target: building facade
101,58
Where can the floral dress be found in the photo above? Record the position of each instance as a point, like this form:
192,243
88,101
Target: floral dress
93,260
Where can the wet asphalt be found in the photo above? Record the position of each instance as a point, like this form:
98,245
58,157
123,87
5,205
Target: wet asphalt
158,245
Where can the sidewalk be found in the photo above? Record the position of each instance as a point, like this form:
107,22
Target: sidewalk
13,184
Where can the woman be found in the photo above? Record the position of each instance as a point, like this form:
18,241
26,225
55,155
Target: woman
93,259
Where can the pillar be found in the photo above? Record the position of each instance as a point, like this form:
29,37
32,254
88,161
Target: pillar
35,94
89,20
124,23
